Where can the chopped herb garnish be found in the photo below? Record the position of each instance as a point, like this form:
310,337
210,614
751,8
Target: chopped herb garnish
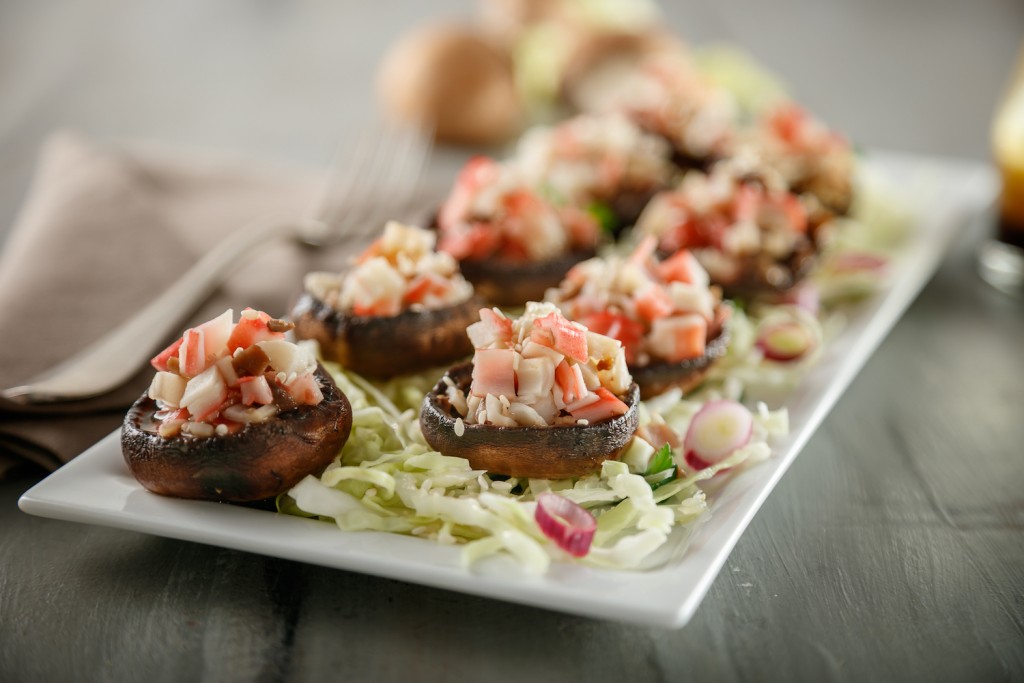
661,460
661,469
604,216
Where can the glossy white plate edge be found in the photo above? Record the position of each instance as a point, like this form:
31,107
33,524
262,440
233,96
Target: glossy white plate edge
96,487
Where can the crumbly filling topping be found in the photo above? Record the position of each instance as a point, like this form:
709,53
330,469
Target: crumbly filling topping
493,211
667,95
540,370
221,375
593,158
725,217
658,310
400,271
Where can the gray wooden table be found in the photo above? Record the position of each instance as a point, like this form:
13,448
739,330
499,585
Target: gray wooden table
892,550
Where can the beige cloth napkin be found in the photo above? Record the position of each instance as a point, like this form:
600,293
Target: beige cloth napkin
103,230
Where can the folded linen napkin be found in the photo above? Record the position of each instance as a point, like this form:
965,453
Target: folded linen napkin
103,230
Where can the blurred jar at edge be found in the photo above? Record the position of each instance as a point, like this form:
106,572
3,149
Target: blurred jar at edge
1001,261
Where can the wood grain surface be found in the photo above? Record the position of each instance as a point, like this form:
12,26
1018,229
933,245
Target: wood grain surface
893,549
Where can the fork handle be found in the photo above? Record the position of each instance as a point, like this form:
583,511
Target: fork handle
115,358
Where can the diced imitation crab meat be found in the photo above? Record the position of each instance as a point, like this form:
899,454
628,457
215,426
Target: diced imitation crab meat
658,310
666,95
223,372
539,370
723,217
588,158
493,212
398,272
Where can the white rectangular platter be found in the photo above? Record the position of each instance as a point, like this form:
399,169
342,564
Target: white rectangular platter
96,487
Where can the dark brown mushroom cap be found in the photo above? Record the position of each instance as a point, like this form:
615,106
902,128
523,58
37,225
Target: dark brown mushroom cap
658,377
260,461
630,203
627,205
555,452
761,275
834,191
685,161
385,346
505,282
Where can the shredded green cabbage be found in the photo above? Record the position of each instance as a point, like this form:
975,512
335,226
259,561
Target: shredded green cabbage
387,478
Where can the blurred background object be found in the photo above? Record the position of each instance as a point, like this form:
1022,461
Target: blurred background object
1001,260
451,77
523,62
280,80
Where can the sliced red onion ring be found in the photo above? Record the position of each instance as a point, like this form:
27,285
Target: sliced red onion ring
784,341
569,525
716,432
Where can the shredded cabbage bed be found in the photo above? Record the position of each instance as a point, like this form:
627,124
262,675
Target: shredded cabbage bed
388,479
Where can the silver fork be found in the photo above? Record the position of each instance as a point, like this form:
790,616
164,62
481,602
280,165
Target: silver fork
387,163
